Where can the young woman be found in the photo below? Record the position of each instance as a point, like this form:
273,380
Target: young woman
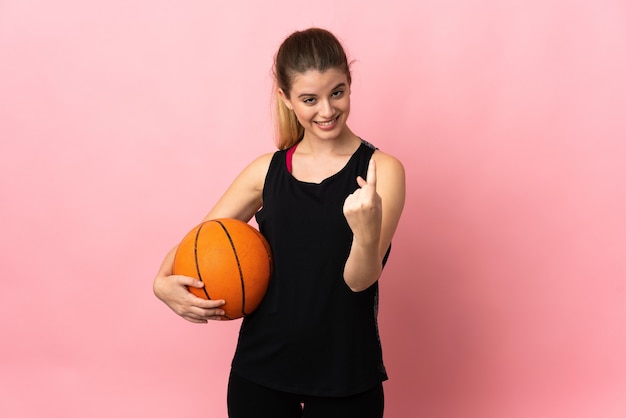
328,203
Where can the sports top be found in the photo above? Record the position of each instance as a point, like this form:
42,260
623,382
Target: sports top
311,334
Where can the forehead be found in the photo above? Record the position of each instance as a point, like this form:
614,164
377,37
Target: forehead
314,81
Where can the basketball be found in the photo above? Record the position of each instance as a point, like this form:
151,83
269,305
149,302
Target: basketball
232,259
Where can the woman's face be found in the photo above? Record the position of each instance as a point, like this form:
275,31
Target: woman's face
321,102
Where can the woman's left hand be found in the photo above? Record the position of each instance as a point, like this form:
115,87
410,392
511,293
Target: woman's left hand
363,209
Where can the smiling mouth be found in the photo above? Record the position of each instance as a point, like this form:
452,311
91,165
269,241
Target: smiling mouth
328,123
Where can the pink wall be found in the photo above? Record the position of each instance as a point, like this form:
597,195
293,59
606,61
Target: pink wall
121,122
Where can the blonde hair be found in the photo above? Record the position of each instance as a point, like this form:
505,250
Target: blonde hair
311,49
289,129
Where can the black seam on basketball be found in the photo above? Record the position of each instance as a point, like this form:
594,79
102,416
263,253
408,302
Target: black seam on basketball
195,253
243,287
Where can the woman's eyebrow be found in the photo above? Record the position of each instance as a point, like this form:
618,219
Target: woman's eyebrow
340,85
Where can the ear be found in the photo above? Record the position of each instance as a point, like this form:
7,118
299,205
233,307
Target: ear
284,98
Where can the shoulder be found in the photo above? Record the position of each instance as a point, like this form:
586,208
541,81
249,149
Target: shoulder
259,166
391,182
383,160
387,164
252,177
262,162
244,195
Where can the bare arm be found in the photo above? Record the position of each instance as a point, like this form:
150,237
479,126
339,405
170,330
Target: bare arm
373,212
240,201
244,197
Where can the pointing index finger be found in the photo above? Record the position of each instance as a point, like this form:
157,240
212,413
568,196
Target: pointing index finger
371,173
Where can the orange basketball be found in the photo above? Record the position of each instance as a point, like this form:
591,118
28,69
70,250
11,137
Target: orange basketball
233,260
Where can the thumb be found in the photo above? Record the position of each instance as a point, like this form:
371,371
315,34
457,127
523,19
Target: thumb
190,281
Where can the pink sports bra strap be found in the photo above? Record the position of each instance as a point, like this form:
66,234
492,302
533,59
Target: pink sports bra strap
289,157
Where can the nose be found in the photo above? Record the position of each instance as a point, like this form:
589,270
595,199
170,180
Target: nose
326,109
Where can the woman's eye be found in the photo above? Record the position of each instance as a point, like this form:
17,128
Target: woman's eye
309,100
338,93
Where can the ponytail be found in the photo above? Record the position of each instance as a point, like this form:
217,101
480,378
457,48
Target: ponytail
288,128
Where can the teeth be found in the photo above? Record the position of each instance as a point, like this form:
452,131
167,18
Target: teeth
330,122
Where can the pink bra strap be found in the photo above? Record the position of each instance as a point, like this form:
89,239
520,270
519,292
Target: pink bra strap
289,157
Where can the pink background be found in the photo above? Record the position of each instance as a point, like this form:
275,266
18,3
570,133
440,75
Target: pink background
121,122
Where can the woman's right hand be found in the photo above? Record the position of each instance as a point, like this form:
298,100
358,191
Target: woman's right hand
173,291
241,201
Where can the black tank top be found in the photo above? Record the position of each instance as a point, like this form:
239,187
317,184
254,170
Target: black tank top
311,335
